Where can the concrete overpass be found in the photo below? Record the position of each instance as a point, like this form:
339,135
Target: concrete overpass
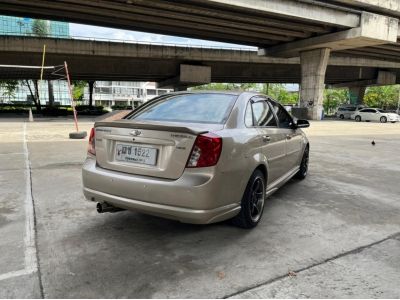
100,60
308,29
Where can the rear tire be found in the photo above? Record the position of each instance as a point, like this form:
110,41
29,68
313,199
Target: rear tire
358,119
383,119
252,205
341,117
392,121
302,173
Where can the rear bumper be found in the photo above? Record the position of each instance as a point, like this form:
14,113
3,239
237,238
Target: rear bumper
185,215
195,197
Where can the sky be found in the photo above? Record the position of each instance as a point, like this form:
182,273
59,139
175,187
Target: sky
78,30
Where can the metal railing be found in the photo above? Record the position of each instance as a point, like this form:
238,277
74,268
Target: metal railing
127,41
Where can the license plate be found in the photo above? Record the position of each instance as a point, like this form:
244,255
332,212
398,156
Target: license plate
136,154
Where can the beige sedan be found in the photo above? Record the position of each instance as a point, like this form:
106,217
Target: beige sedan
196,157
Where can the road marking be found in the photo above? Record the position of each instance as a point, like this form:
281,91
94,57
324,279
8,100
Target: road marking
15,274
31,264
14,153
30,246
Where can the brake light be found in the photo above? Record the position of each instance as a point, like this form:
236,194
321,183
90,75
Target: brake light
206,151
91,146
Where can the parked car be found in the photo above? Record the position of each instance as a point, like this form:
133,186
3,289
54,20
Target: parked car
345,111
375,114
196,157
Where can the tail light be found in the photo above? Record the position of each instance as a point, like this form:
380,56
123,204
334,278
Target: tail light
91,146
206,151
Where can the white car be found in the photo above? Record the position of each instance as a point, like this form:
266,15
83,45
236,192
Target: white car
346,110
375,114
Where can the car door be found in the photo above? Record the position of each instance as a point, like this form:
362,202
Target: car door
272,139
376,115
363,113
368,114
293,136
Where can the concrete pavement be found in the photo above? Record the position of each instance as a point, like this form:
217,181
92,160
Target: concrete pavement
337,231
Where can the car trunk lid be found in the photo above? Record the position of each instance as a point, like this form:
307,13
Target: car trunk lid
147,148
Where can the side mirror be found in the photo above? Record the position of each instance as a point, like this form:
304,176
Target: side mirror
302,124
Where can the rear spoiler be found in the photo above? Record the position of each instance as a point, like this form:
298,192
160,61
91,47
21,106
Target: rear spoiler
150,126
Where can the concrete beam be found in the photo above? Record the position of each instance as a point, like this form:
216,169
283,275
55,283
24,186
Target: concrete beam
383,78
391,7
298,10
373,30
71,48
189,75
352,84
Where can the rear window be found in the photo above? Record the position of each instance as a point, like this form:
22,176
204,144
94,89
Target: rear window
190,108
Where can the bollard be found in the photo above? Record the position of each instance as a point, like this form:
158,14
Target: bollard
30,115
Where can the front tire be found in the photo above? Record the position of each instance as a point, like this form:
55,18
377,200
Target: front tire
383,119
358,119
252,205
302,173
341,117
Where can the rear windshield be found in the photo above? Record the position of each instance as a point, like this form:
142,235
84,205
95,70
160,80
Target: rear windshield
190,108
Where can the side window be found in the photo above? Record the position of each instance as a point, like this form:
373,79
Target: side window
366,110
284,119
263,115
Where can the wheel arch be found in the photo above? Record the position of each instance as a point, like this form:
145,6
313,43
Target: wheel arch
263,170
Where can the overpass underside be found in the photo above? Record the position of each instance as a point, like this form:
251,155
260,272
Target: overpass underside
309,30
96,60
159,70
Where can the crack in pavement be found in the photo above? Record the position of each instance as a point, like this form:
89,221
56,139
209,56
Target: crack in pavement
32,227
330,259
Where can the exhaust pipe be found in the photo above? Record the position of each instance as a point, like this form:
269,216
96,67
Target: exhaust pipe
105,207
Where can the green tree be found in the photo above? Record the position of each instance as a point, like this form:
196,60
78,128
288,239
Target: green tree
276,91
333,98
382,96
40,28
78,87
9,88
279,92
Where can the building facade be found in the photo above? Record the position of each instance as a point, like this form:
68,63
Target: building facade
26,26
123,93
105,93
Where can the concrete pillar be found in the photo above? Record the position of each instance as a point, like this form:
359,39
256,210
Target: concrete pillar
313,68
50,92
91,85
180,88
357,94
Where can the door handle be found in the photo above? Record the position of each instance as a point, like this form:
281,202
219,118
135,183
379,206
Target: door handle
266,138
288,137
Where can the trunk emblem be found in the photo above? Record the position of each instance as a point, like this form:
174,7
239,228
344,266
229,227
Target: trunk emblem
135,132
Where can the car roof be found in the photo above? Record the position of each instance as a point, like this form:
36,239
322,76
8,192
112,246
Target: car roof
233,92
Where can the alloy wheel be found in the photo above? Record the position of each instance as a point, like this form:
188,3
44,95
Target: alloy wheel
257,199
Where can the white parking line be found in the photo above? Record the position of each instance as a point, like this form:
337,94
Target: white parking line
14,274
31,264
